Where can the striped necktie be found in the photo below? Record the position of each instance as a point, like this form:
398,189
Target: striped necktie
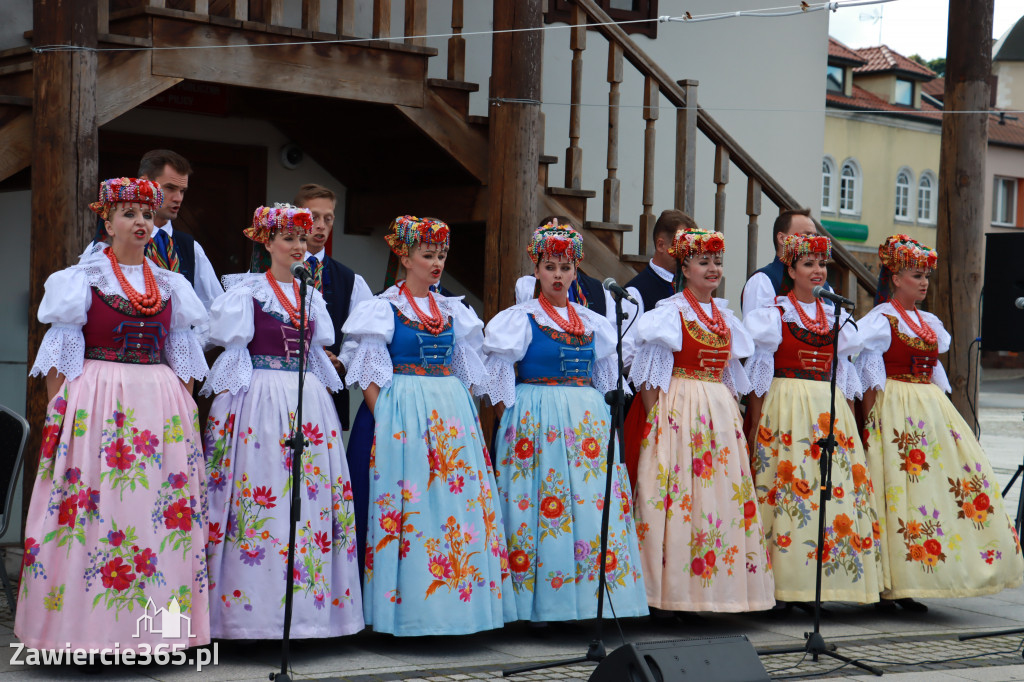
161,251
316,269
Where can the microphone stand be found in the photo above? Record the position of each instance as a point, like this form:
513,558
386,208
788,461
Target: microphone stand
297,441
816,645
597,652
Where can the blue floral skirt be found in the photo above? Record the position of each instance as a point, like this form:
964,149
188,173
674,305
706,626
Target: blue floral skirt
552,462
436,561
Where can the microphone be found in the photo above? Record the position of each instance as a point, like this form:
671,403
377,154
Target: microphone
299,272
611,285
821,292
1019,303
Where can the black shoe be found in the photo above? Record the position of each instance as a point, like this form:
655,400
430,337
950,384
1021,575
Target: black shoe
887,605
908,604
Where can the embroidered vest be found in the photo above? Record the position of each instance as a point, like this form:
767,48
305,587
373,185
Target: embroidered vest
275,342
909,358
556,358
803,354
414,350
115,332
703,356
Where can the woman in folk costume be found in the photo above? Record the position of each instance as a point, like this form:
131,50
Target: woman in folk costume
550,362
249,464
115,526
701,539
792,364
436,561
945,532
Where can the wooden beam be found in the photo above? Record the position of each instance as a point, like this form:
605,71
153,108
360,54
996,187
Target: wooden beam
514,147
346,21
64,166
457,45
686,149
961,226
354,72
415,21
444,125
381,27
126,81
311,15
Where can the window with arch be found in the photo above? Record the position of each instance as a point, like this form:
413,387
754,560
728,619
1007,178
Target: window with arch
849,188
904,182
927,198
828,185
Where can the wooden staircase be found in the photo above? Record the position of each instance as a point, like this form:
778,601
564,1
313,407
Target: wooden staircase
366,110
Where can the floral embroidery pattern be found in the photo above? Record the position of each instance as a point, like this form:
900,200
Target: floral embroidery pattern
75,504
452,568
969,492
707,548
127,451
445,464
119,570
921,538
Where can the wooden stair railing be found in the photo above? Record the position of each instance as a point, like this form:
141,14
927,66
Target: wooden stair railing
689,118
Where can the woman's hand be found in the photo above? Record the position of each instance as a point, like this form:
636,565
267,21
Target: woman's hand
189,385
649,396
754,404
370,395
54,380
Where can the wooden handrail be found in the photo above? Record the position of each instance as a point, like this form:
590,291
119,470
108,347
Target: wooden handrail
738,156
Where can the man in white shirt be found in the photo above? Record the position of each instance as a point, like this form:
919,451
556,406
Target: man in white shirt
765,284
177,251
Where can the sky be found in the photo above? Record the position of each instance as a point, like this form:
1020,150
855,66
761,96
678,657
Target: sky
910,26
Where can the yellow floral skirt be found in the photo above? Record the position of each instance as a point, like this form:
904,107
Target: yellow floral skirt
701,542
945,532
786,464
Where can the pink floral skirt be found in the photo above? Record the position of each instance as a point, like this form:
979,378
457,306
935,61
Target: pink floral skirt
114,538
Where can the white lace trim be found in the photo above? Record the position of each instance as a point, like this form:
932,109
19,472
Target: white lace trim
760,370
100,274
367,361
444,303
322,368
652,367
467,365
231,372
735,379
500,381
606,375
871,368
184,353
63,348
257,287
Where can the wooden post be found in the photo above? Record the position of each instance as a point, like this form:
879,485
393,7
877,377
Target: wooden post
721,180
238,9
346,20
457,45
415,21
311,15
64,160
647,219
961,228
381,19
612,184
753,211
103,16
574,153
514,148
686,148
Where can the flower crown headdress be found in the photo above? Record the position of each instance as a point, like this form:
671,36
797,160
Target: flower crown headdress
556,239
695,241
127,191
267,220
900,252
407,231
799,245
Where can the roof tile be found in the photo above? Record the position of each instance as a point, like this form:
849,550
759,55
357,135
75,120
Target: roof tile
881,59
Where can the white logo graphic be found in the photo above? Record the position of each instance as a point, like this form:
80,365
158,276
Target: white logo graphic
170,620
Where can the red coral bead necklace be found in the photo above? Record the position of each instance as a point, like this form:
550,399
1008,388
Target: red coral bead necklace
573,326
433,322
293,313
923,330
819,325
716,323
147,303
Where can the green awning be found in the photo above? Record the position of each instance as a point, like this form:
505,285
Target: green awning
848,232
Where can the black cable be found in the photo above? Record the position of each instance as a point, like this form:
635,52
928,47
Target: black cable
970,403
817,674
788,667
948,660
615,617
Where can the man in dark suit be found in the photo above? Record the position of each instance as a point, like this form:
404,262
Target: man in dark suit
656,281
765,284
342,288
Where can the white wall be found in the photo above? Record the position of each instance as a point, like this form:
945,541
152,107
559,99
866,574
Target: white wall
743,65
15,19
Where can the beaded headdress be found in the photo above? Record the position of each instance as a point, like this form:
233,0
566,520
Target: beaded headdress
556,239
127,191
407,231
900,252
693,241
268,220
799,245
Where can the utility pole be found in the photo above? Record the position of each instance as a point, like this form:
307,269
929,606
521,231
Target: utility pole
961,228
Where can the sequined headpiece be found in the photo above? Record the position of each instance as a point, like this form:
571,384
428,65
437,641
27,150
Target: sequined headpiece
900,252
407,231
556,239
799,245
266,221
692,242
127,191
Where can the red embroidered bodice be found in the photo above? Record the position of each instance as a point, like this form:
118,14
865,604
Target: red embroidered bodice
703,355
803,354
909,358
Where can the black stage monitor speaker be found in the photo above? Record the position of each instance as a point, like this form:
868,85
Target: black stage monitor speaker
710,659
1002,324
